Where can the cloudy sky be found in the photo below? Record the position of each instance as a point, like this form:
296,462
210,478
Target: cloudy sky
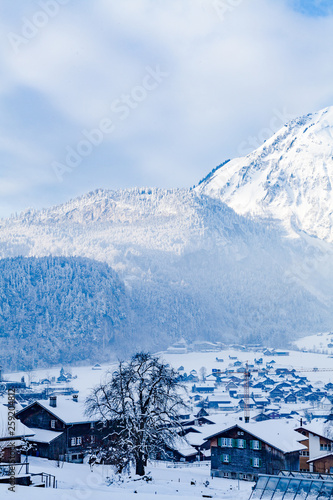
117,94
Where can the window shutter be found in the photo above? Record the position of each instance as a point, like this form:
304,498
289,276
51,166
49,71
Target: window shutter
260,462
229,459
251,462
244,443
219,442
234,443
259,444
251,445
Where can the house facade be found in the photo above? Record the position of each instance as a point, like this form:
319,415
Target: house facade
61,429
317,445
244,451
322,465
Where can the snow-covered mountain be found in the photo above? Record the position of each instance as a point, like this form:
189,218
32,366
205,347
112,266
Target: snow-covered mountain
216,262
289,178
192,267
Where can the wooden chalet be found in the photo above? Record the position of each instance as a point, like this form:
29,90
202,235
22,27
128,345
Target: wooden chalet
246,450
61,429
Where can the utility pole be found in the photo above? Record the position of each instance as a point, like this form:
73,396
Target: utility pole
247,394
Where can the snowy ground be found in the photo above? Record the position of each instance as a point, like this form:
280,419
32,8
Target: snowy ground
317,343
299,360
78,482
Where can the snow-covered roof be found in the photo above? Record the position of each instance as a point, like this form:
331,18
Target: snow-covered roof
183,447
43,435
326,401
316,427
279,434
224,398
330,454
207,383
20,430
67,410
9,443
196,438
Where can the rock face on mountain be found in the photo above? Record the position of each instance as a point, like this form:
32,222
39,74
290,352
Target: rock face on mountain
216,262
289,178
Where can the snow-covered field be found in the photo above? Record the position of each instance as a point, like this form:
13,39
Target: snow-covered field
301,361
321,342
78,482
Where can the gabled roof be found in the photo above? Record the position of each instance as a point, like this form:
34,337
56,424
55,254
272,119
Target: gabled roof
320,456
316,428
181,445
67,410
277,434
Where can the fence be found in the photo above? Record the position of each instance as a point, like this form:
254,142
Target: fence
174,465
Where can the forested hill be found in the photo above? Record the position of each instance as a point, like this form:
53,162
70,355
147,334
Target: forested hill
59,310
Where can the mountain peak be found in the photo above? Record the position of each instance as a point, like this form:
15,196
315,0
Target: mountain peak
289,178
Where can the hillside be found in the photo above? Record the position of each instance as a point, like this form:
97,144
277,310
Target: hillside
59,310
191,266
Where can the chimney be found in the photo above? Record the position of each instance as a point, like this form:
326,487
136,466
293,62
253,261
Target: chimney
53,401
75,398
301,422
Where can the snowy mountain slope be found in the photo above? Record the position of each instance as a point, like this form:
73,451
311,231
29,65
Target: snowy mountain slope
289,178
117,226
191,265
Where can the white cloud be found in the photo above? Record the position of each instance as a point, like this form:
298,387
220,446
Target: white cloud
226,79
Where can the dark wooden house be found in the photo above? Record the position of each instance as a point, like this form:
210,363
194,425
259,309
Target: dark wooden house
61,429
245,450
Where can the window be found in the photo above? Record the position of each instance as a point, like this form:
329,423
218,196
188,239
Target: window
226,458
53,424
255,445
256,462
73,441
224,442
241,443
92,439
78,441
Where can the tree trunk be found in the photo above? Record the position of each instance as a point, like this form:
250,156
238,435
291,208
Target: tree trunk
140,466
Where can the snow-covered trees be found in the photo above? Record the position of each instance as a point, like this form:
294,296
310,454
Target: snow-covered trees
142,399
59,310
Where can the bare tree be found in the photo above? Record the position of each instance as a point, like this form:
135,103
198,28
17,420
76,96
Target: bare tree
141,402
